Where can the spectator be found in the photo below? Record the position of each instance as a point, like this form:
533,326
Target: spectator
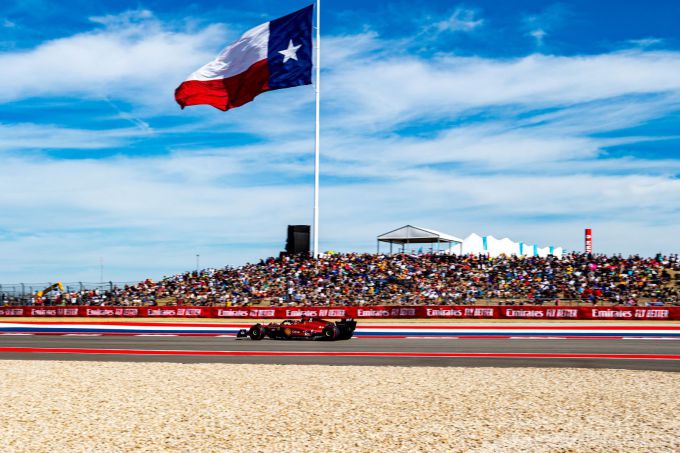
402,279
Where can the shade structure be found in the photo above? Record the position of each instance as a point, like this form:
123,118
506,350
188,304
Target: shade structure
410,234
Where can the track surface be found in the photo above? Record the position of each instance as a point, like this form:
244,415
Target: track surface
396,351
374,330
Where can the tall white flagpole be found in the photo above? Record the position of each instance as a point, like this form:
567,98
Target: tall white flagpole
316,138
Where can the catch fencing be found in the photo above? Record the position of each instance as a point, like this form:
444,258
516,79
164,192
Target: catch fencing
26,290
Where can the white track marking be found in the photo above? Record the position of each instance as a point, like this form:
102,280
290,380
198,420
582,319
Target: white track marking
82,335
154,335
430,338
650,338
537,338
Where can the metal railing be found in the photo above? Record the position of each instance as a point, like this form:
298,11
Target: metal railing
21,290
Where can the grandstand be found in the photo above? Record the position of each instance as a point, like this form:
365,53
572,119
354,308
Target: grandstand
401,279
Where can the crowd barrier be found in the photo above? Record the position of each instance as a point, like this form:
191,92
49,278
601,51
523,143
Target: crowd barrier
375,312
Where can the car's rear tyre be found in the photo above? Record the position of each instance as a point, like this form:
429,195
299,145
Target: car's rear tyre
256,332
287,333
345,336
346,328
330,332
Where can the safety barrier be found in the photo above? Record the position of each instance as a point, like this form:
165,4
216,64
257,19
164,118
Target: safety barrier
387,312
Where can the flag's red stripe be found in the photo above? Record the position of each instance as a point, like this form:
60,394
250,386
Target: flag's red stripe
337,354
225,93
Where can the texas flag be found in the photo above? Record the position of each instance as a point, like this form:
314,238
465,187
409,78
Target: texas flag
274,55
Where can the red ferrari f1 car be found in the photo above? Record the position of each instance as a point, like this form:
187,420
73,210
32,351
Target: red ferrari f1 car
305,328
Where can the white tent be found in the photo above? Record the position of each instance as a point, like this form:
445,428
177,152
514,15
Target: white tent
508,247
488,245
528,249
472,245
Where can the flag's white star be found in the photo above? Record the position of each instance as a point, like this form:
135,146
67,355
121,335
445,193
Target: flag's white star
290,52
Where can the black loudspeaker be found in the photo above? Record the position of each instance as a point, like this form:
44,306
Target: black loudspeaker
298,239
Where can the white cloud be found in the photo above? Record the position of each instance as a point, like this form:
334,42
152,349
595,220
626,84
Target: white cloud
165,209
539,35
461,20
539,25
73,211
645,42
343,49
27,136
123,20
392,90
133,57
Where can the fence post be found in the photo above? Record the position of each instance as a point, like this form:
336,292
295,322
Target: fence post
81,285
110,286
23,290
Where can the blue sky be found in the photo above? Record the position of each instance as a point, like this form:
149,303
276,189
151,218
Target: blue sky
526,119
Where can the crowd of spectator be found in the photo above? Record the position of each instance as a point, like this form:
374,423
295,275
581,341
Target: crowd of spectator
405,279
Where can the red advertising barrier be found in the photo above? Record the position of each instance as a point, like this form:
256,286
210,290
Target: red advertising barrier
528,312
632,313
374,312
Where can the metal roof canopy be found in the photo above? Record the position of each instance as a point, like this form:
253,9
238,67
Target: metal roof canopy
410,234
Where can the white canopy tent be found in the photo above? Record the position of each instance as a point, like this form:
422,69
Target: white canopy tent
410,234
475,244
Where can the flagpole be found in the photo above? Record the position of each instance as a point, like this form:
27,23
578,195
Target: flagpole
316,132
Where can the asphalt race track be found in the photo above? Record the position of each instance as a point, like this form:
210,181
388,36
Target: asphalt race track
637,354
